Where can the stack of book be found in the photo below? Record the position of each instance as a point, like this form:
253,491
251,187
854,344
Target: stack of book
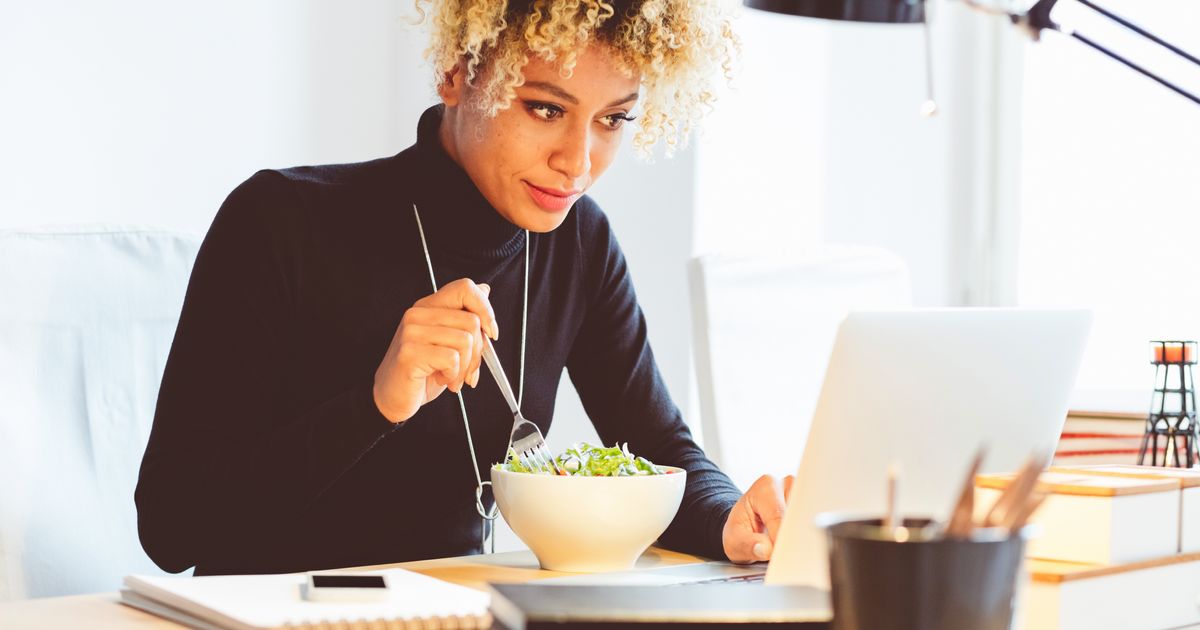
1158,594
1100,438
1117,547
1189,494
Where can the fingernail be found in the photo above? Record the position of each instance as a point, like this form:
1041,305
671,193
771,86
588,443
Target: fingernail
760,551
495,331
474,379
485,288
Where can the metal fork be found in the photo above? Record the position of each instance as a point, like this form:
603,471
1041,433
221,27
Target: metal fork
526,438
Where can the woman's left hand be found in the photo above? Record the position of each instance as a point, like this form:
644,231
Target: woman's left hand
750,530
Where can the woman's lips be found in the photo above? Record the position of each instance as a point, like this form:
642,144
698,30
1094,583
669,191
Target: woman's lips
552,200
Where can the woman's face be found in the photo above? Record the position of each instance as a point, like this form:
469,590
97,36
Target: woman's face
535,158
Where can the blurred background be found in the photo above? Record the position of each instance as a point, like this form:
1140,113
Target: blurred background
1050,176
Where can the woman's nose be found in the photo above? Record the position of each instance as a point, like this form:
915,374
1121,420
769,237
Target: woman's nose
573,157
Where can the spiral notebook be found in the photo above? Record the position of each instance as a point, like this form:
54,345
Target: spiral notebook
253,602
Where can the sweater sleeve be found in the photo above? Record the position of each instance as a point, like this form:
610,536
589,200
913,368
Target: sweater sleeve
225,463
613,369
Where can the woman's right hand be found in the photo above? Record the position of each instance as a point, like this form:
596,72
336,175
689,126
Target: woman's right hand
437,345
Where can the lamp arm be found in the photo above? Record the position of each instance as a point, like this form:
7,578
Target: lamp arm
1037,19
1139,30
1178,90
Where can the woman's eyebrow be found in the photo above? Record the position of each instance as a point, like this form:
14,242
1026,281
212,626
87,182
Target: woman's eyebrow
633,96
553,89
546,86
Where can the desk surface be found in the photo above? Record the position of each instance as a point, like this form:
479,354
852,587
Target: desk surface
103,610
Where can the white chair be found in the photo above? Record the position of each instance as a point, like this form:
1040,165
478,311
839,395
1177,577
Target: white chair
86,320
763,329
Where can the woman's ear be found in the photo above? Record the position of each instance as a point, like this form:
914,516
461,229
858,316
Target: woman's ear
452,84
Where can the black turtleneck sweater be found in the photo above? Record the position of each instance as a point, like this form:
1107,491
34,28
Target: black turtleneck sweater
267,452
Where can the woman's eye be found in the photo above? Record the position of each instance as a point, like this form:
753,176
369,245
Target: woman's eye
545,111
614,121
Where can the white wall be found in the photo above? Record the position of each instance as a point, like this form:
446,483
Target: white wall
885,161
149,113
760,158
820,140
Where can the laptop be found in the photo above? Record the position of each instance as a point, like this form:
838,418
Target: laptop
920,389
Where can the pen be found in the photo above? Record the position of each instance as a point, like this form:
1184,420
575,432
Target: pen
961,518
889,517
1016,494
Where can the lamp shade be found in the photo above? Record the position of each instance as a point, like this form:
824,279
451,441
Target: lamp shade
885,11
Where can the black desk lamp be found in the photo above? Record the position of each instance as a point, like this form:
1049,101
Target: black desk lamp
1033,22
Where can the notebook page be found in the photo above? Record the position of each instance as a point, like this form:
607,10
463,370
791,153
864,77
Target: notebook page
271,601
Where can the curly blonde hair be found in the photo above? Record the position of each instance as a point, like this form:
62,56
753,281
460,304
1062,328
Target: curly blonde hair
678,46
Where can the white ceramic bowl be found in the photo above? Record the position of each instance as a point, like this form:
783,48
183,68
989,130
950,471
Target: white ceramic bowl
588,524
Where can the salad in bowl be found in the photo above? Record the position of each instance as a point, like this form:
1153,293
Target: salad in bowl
598,512
585,460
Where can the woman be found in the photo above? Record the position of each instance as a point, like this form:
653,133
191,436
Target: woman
303,421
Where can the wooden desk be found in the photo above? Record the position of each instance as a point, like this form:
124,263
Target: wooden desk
103,611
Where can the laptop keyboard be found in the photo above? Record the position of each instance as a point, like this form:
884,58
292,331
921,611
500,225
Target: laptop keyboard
753,578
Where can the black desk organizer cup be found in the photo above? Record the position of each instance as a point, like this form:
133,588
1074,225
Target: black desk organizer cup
923,580
1172,414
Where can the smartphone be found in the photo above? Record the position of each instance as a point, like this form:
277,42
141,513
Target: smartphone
345,587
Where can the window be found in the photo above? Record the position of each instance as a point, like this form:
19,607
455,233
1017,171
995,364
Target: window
1110,191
